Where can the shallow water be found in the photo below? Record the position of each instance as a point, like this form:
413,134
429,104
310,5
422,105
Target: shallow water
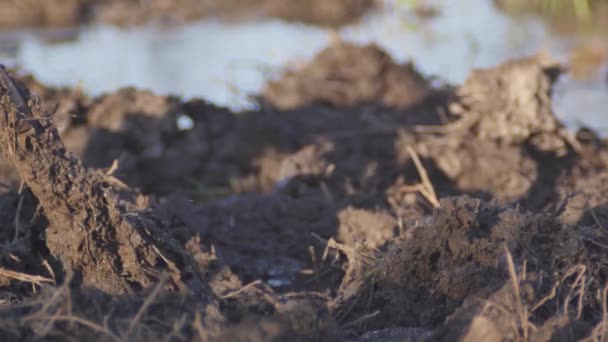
224,62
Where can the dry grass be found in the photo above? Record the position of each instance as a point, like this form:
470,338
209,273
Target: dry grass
425,187
521,313
62,314
522,310
34,279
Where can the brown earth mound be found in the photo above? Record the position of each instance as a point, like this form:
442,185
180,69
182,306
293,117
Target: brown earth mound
345,75
467,212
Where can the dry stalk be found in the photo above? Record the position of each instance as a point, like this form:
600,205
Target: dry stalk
362,319
579,282
425,188
28,278
522,310
243,289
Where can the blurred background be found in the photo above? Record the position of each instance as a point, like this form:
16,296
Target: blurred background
225,50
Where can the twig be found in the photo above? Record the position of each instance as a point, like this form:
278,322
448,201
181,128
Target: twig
349,251
579,282
426,188
362,319
597,243
50,269
523,316
242,289
112,168
421,170
18,219
175,273
34,279
546,298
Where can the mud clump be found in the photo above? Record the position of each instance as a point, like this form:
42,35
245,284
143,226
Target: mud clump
364,226
88,229
494,272
449,257
346,75
520,108
504,133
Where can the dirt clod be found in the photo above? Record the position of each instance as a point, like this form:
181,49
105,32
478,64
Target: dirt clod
89,231
330,78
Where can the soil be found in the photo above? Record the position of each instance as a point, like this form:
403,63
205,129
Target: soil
358,203
61,13
330,79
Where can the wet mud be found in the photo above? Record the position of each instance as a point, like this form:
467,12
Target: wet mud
358,203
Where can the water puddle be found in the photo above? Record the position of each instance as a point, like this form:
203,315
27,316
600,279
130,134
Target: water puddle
225,62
